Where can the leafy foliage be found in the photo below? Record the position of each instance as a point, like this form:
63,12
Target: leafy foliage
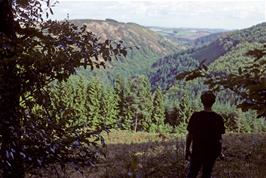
34,53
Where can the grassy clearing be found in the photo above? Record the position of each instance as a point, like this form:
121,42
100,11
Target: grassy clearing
140,155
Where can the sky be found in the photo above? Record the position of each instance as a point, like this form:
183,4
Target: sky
222,14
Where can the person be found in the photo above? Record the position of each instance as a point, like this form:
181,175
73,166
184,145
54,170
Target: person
205,129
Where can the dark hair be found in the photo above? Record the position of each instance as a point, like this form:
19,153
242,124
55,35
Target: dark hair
207,98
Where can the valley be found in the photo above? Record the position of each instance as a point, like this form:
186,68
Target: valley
148,76
132,89
153,43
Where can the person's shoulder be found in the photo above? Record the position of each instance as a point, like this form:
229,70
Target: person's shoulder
195,113
194,116
218,116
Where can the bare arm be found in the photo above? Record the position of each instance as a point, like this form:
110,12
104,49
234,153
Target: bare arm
222,156
188,143
221,139
191,129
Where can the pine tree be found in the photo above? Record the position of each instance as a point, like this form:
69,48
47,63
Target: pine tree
108,108
79,97
142,103
92,104
185,108
62,100
124,103
68,100
158,112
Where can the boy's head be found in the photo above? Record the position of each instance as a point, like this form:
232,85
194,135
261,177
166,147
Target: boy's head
207,98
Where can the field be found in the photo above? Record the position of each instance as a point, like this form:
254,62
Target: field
142,155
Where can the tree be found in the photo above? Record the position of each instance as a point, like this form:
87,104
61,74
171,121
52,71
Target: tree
142,103
158,111
92,103
34,53
125,102
69,98
185,108
108,108
62,99
79,98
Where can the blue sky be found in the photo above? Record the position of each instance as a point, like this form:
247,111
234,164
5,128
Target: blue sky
226,14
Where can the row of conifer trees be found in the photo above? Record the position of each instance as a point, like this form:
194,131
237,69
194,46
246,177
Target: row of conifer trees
127,105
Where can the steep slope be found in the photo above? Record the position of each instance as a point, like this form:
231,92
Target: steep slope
164,74
234,59
151,45
131,34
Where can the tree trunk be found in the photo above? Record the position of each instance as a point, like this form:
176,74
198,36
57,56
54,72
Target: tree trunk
136,123
10,123
10,130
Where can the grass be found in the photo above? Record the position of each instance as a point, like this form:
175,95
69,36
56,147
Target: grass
130,154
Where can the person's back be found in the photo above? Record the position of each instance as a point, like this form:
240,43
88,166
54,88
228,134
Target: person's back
205,129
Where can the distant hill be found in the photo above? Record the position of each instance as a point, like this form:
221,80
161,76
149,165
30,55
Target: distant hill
152,45
205,40
191,37
167,67
130,33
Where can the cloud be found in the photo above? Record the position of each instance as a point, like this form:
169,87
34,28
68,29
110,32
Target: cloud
192,13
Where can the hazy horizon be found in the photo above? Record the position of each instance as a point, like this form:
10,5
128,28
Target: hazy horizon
215,14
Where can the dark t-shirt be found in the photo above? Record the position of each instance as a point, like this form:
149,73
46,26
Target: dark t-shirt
206,129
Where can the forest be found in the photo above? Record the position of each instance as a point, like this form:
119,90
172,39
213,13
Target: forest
102,98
